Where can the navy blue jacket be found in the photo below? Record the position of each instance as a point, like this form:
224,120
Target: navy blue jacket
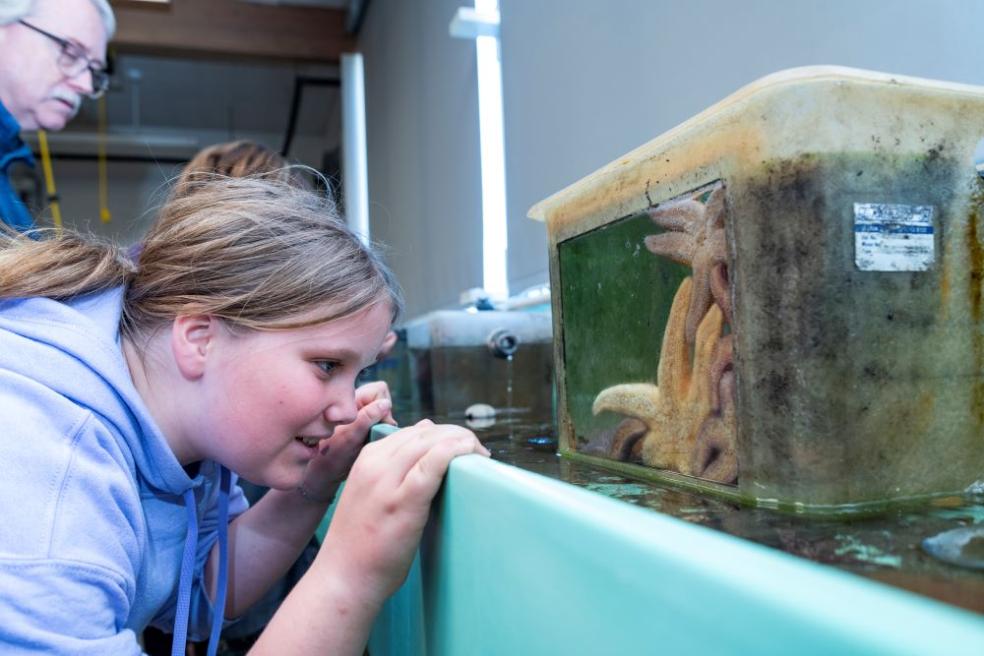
12,210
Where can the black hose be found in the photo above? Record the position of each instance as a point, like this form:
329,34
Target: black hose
300,82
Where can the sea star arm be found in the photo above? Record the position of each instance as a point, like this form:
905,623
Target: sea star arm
715,454
678,215
721,290
714,208
677,246
637,400
673,374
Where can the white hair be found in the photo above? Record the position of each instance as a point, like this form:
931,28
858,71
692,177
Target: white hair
12,11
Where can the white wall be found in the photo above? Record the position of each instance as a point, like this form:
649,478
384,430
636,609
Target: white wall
425,201
585,81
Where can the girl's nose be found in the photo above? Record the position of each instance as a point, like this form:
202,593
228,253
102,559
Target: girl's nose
342,410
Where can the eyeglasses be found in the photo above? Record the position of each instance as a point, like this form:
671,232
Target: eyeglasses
72,60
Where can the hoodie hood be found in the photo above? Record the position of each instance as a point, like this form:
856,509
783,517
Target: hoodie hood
110,521
74,349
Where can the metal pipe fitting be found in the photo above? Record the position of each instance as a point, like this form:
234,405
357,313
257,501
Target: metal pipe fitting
503,343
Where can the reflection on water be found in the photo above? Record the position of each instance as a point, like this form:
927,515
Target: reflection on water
885,548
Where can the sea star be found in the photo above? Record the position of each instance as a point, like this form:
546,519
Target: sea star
721,290
715,457
627,440
722,363
622,442
696,238
674,411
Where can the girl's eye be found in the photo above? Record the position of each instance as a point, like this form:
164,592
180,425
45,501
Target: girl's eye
326,366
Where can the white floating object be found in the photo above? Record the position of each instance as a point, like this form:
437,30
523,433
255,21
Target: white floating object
479,415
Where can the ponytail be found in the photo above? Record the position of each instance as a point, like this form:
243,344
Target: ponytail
59,265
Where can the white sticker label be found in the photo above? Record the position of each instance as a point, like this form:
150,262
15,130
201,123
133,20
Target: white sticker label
893,237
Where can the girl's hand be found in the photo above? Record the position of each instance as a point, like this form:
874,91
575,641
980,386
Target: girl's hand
370,392
378,522
337,453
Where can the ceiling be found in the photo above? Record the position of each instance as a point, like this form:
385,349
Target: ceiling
332,4
239,28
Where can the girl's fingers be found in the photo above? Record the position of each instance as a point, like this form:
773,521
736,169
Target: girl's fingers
405,434
366,394
387,500
377,411
444,441
394,456
367,417
426,475
421,438
372,414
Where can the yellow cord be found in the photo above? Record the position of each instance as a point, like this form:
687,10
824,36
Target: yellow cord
104,214
49,180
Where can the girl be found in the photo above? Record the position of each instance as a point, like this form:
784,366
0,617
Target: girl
130,392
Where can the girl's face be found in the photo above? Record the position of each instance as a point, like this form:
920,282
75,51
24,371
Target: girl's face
268,395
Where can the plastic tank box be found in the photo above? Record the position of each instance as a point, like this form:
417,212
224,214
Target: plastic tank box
780,300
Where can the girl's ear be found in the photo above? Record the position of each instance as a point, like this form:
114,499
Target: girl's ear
388,343
191,337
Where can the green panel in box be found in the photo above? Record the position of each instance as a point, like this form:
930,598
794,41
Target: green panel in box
615,300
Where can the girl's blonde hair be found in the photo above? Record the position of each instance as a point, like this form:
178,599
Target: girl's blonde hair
255,252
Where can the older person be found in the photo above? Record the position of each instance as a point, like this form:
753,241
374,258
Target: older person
52,53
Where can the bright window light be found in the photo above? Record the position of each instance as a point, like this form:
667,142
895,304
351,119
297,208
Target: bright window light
494,231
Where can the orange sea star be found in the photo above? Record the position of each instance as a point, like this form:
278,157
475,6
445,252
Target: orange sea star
696,238
715,456
675,410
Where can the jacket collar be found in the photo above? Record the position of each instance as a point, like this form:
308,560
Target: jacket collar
11,145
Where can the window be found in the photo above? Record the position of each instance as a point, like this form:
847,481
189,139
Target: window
482,24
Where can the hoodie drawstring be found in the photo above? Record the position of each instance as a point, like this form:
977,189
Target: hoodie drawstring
188,569
220,594
187,572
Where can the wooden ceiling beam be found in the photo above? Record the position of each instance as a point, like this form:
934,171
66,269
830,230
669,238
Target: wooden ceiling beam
231,28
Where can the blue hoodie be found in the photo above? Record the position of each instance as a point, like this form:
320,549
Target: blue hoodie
96,507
